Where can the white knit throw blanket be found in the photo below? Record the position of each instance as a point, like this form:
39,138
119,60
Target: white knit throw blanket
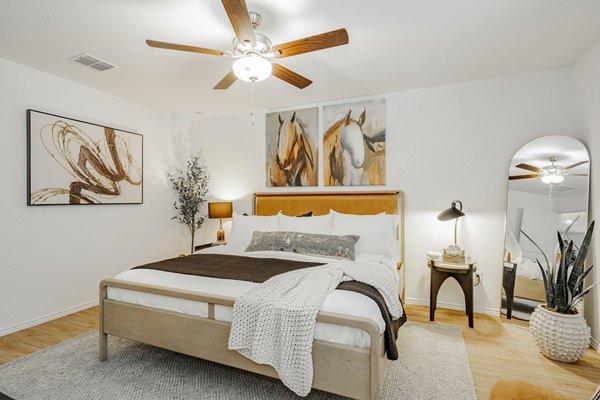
274,323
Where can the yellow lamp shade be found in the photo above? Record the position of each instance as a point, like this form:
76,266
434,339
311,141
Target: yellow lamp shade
220,209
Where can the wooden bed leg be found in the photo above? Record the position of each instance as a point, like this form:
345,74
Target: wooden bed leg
377,347
103,337
103,347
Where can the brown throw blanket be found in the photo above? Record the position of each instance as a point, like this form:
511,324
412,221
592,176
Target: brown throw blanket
258,270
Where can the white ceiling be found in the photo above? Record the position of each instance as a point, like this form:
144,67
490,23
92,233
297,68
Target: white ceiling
568,150
394,45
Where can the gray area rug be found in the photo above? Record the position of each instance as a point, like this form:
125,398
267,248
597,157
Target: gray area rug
522,308
433,364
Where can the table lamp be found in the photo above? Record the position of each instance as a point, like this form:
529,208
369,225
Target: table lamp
453,252
220,209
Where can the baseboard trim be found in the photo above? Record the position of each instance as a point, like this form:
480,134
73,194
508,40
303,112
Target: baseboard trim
46,318
595,345
478,310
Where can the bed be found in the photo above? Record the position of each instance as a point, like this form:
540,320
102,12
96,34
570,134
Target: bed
522,276
350,362
522,280
529,283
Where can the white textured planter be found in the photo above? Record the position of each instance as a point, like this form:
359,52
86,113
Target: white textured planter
561,337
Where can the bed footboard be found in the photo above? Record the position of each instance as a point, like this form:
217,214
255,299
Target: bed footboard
345,370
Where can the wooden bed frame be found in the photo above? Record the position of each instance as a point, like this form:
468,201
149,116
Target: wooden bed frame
532,289
344,370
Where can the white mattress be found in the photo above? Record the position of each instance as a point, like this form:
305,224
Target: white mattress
339,301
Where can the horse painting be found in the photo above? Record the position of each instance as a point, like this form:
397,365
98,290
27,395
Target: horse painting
291,152
351,156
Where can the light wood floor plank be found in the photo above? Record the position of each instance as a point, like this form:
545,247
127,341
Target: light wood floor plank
501,350
30,340
496,350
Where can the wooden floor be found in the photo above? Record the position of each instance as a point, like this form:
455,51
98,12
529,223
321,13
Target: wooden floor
507,351
515,321
496,350
30,340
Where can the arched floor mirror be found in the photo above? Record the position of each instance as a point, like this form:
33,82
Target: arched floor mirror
548,181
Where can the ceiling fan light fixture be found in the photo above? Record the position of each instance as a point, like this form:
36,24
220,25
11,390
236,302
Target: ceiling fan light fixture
552,179
254,50
262,45
252,68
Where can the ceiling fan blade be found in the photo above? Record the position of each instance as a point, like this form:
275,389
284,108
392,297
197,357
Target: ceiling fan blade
229,79
240,20
529,176
576,164
574,174
529,167
290,76
312,43
182,47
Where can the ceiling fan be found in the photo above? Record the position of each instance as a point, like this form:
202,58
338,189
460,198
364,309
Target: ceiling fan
551,174
253,51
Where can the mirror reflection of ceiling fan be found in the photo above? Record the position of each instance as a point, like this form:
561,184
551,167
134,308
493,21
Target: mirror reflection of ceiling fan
551,174
253,51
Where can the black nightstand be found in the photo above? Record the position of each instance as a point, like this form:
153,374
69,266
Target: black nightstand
462,273
207,245
508,284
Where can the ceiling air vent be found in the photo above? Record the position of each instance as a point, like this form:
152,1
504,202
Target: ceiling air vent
91,62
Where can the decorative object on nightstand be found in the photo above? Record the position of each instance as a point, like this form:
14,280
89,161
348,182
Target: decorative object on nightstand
220,209
453,253
462,272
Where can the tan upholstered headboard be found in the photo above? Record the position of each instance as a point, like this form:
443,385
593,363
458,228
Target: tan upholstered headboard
364,203
297,203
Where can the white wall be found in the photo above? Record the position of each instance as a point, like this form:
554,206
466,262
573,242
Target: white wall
443,143
53,257
564,204
569,202
517,201
586,76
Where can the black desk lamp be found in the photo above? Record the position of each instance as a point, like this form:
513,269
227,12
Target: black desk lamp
449,214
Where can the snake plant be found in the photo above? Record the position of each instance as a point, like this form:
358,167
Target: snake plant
563,278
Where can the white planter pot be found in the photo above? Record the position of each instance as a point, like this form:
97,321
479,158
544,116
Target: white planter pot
561,337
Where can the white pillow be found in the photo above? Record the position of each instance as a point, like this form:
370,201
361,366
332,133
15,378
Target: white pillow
322,224
243,226
378,233
511,244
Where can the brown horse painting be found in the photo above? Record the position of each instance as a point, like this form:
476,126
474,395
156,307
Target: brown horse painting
351,157
293,163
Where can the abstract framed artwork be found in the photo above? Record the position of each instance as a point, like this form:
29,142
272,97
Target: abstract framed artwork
72,162
292,148
354,143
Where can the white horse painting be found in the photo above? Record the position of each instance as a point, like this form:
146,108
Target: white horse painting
354,149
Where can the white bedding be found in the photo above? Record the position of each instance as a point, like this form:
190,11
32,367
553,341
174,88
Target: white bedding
529,269
340,301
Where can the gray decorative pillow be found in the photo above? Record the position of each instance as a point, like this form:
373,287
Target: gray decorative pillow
338,246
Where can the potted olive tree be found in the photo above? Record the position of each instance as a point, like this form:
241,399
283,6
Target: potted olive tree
191,185
559,329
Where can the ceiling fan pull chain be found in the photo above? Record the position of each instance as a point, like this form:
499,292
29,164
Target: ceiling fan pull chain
252,119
